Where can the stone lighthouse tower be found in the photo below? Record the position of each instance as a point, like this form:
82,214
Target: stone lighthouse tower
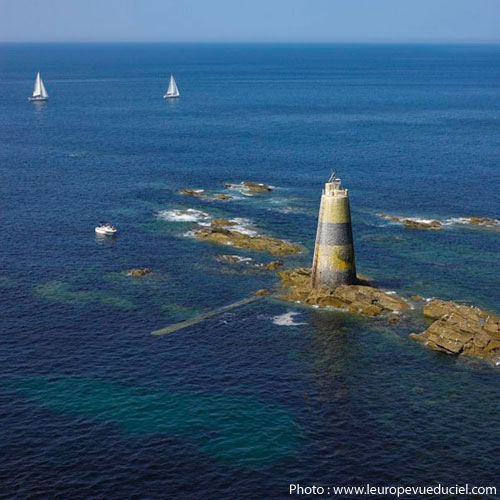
333,263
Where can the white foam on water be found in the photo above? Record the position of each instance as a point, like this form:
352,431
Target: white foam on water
183,215
242,226
287,319
420,220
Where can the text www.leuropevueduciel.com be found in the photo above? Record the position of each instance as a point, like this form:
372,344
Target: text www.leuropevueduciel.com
396,491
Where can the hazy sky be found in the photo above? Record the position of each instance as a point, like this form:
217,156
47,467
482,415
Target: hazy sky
250,20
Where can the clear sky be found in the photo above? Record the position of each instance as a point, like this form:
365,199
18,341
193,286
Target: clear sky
250,20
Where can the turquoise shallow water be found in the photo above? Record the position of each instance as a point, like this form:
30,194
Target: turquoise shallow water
246,403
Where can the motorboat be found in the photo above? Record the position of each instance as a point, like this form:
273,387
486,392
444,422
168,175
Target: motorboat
106,229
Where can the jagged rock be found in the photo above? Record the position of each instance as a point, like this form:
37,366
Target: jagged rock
431,225
461,330
254,187
260,243
197,193
139,272
357,299
262,292
221,196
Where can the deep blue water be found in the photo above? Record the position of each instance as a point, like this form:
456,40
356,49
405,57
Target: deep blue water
93,406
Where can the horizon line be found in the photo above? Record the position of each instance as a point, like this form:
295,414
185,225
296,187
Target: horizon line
264,42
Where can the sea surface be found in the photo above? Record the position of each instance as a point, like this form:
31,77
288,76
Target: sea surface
241,405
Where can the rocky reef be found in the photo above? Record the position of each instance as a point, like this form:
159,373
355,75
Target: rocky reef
357,299
139,272
220,232
436,225
461,331
481,221
252,187
414,223
236,259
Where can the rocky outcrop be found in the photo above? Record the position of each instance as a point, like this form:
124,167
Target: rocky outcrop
461,330
357,299
221,196
224,236
253,187
414,223
139,272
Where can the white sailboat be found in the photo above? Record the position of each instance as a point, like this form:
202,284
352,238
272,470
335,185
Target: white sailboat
39,91
172,90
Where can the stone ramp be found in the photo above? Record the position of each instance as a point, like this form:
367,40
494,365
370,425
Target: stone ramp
202,317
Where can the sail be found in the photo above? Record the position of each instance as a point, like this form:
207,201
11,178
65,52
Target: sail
172,88
37,89
43,90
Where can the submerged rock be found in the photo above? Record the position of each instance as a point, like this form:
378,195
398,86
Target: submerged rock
462,331
358,299
237,259
254,187
221,196
139,272
260,243
197,193
481,221
200,193
233,259
262,292
414,223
